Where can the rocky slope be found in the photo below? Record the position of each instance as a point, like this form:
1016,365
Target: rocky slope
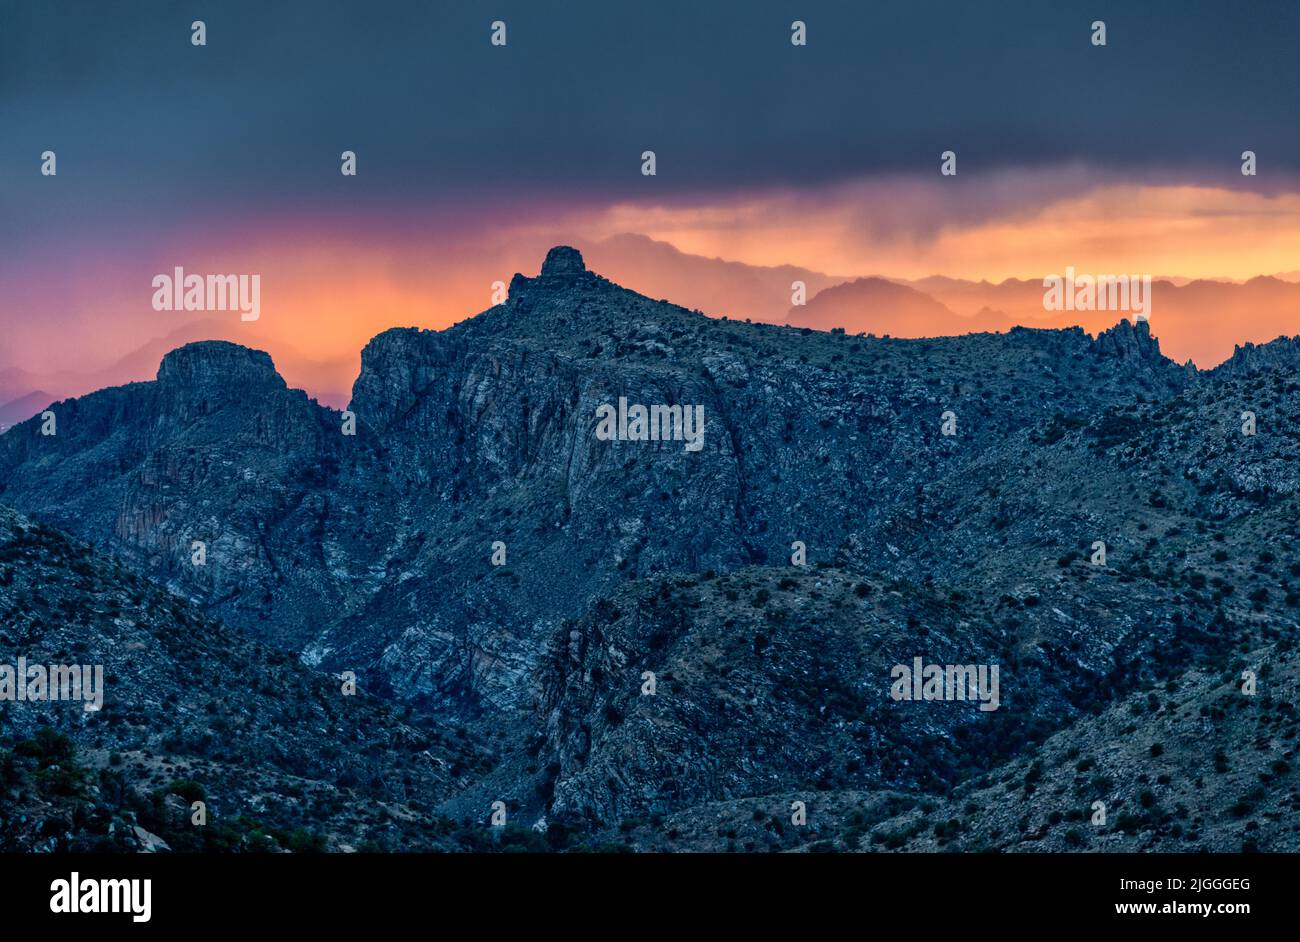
1197,765
190,710
1194,765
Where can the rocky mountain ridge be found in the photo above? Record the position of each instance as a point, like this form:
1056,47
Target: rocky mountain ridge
299,516
475,550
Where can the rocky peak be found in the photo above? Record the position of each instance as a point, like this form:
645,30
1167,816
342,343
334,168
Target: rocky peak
1129,341
211,364
563,261
563,267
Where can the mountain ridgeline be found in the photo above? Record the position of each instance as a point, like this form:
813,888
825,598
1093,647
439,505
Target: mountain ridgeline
465,542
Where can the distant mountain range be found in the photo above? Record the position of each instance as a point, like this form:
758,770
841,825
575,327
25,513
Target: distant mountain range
1200,319
25,406
712,285
511,581
876,305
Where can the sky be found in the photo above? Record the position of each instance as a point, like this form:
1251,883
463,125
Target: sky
471,158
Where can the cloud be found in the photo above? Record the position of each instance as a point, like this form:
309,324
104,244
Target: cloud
256,120
1018,223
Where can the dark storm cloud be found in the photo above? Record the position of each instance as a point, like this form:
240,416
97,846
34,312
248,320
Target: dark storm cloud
141,118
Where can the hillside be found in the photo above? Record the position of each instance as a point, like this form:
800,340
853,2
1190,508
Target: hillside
193,711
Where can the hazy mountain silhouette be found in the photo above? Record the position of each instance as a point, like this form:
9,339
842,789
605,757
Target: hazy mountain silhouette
712,285
880,306
23,407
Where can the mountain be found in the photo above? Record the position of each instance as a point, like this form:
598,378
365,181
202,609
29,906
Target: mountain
15,383
328,379
478,553
373,551
1199,766
880,306
1198,319
24,407
17,387
1115,676
712,285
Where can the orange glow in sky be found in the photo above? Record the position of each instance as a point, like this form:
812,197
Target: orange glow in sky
327,289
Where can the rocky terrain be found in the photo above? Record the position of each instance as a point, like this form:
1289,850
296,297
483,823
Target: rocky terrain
504,579
193,711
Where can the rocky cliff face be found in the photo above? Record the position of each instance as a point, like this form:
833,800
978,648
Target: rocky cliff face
462,549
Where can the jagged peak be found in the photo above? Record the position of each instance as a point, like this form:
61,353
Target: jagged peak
1130,340
1248,358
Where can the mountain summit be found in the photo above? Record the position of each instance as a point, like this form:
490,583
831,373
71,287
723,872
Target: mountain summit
561,261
